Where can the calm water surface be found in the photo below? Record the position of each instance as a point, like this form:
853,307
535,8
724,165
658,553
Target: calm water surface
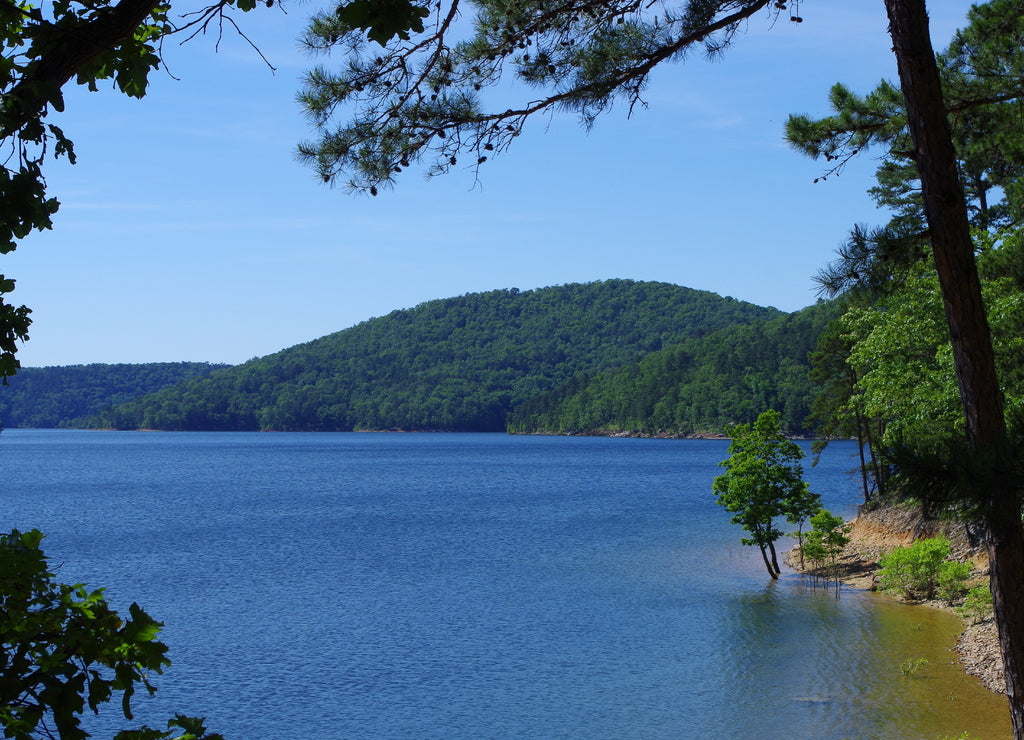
475,586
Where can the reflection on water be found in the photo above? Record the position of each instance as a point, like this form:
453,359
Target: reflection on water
848,678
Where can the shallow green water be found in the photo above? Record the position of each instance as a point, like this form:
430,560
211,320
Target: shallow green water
937,701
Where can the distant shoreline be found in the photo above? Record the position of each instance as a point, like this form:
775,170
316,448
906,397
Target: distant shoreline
625,434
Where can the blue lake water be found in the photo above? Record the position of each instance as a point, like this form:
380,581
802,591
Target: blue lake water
474,586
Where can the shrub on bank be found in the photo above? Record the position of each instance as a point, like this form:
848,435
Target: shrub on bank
977,604
923,570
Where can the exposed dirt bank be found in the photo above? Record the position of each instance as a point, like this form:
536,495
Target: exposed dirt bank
875,533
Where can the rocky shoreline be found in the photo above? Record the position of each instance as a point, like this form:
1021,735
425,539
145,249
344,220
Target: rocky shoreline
876,532
626,434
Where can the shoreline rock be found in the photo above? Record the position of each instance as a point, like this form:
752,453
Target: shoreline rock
875,532
626,434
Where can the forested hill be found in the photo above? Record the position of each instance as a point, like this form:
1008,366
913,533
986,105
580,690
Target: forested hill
454,364
50,397
701,385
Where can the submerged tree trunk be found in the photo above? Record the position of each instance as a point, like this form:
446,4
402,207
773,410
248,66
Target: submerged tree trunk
767,562
775,569
946,211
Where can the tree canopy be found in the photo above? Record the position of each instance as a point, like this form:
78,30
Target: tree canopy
982,74
65,649
887,365
51,397
616,365
456,364
763,481
423,99
703,385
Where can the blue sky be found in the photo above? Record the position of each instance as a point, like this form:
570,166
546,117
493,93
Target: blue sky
188,231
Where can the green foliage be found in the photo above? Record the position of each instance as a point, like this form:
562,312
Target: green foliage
904,363
14,323
951,583
702,385
828,536
977,604
823,544
763,481
983,68
888,375
43,48
837,411
913,666
900,345
857,122
813,550
51,397
459,364
382,20
421,99
918,570
194,728
64,648
886,366
981,75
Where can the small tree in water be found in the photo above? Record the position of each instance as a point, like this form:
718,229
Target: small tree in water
824,543
764,480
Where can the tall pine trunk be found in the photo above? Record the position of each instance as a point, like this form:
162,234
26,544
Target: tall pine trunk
863,460
946,211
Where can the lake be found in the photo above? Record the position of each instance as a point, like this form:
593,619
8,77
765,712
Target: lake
475,586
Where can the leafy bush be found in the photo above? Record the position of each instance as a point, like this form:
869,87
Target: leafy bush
829,535
977,604
922,569
63,648
952,580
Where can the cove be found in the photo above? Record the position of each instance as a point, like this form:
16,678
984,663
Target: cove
478,586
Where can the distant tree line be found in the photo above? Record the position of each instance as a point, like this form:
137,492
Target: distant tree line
640,356
457,364
701,385
52,397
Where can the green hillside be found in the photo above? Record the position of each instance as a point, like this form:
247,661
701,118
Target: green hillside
50,397
702,385
455,364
